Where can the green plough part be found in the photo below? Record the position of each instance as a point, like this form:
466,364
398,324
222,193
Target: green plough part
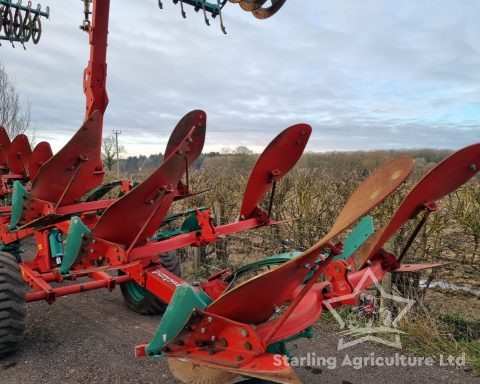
362,231
102,190
359,234
19,193
72,244
189,225
184,301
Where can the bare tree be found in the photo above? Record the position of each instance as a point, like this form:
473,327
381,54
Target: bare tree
109,151
14,115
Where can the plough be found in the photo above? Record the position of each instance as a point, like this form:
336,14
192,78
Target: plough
18,162
223,327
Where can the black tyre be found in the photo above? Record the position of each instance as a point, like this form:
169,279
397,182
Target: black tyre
12,305
141,300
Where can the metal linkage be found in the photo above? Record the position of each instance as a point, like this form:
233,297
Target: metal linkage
214,9
261,9
20,23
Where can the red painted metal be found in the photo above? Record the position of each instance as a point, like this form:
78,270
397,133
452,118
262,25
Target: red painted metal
444,178
417,267
40,155
280,283
275,162
215,285
309,309
197,118
161,282
76,169
336,273
19,155
195,147
217,340
95,75
191,238
277,287
101,280
148,203
4,146
43,214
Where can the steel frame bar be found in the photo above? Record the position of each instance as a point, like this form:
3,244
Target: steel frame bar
191,238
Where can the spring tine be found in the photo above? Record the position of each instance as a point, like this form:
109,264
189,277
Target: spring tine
222,26
160,4
205,12
184,15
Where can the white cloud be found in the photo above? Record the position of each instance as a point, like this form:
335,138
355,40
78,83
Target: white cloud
367,74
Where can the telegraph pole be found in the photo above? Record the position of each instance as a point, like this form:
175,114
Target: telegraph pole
116,133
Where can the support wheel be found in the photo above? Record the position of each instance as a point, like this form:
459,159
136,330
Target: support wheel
141,300
12,304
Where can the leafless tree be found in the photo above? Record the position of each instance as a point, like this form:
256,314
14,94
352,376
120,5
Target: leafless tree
109,151
14,115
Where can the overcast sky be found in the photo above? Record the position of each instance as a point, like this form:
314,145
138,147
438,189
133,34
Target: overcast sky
365,74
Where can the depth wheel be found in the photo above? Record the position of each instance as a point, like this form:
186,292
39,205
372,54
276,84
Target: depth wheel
12,305
139,299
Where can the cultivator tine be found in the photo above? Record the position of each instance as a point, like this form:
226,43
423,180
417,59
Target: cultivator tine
19,155
4,147
278,285
40,155
76,169
275,162
440,181
146,205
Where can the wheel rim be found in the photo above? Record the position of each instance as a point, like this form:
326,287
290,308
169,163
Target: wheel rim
135,291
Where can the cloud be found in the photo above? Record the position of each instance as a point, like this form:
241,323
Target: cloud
372,74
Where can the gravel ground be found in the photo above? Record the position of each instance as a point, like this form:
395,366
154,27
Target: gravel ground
90,338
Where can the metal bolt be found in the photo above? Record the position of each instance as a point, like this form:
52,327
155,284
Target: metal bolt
213,338
248,346
210,319
473,167
244,332
307,266
203,330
